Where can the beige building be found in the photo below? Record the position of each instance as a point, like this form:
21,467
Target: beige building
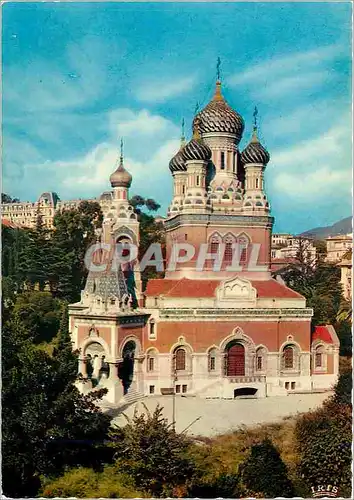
25,214
337,246
287,246
346,274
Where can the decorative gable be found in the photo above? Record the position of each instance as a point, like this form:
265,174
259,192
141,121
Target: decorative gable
236,290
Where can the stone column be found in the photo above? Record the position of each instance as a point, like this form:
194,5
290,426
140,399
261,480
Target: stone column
82,369
97,364
114,385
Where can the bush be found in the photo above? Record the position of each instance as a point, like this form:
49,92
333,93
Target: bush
265,473
85,483
152,453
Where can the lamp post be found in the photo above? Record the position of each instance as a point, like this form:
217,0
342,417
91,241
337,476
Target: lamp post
174,394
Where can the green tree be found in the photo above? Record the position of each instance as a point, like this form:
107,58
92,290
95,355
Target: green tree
324,439
39,313
138,202
150,232
47,424
152,453
75,231
264,472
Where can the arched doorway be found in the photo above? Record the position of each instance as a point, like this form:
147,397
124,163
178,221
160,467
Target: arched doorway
126,367
235,353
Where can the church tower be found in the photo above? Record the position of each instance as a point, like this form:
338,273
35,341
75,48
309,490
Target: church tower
219,196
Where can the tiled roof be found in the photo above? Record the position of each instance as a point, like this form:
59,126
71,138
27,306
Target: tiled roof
207,288
8,223
322,333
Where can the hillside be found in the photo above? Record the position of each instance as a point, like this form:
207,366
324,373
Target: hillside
343,226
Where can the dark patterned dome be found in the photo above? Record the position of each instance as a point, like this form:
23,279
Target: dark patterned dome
177,163
196,149
218,116
255,152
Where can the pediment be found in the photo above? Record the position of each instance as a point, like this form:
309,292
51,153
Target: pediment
236,289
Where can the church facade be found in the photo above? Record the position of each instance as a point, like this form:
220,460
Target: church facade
217,325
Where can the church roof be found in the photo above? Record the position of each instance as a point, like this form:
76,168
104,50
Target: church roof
207,288
325,333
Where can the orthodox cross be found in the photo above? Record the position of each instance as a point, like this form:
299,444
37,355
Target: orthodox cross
255,114
121,150
218,64
183,137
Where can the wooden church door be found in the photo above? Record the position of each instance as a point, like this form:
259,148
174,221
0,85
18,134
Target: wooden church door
236,360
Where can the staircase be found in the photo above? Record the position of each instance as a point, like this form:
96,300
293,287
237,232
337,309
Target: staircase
132,396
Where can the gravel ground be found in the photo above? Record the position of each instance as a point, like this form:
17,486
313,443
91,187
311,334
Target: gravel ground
217,416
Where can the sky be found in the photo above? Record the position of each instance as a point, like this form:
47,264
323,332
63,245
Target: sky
78,77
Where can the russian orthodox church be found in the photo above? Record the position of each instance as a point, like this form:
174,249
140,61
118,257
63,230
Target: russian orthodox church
203,332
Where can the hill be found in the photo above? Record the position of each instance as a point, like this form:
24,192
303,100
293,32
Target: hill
343,226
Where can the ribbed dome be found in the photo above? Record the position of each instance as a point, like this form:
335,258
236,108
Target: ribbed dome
255,152
177,163
121,177
218,116
196,149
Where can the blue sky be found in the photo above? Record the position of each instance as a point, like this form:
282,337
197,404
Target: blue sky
79,76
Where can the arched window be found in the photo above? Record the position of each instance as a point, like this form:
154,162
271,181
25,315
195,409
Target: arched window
319,357
260,359
228,251
243,243
257,183
180,359
234,163
151,364
212,360
288,357
197,180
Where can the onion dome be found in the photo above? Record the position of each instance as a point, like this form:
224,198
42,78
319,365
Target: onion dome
255,152
218,116
196,149
177,164
121,177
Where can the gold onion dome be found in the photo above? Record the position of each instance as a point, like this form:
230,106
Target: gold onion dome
120,177
255,152
218,116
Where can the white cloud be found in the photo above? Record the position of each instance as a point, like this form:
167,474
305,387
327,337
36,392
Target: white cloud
272,68
149,146
161,90
292,84
315,168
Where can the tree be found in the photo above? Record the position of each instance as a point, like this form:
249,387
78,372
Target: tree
5,198
150,232
47,424
152,453
138,201
40,315
75,231
264,472
320,286
324,439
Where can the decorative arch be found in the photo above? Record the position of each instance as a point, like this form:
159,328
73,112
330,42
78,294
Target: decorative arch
152,359
125,231
290,356
130,338
238,335
99,340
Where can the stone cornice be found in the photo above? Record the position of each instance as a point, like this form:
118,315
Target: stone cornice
278,314
235,220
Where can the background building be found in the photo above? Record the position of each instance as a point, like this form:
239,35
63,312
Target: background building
337,246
